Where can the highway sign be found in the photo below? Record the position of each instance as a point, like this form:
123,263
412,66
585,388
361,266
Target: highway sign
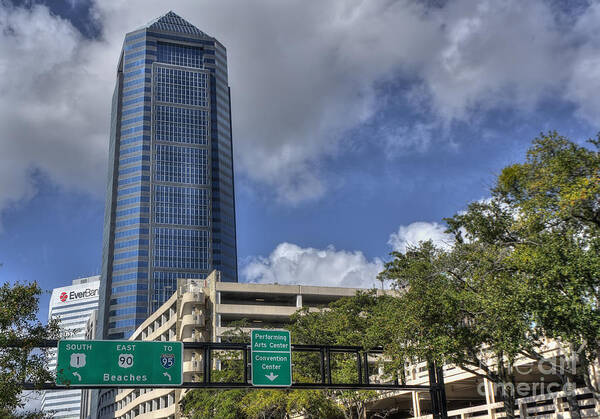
271,358
119,363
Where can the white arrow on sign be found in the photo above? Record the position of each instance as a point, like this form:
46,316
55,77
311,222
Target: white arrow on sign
166,374
77,375
271,376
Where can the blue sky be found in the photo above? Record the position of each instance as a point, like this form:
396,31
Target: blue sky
357,125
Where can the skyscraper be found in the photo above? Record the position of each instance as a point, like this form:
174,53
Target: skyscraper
72,307
170,197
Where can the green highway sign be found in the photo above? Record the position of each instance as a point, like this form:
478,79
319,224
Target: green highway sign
271,358
119,363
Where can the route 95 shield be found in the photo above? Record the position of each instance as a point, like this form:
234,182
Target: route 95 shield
167,360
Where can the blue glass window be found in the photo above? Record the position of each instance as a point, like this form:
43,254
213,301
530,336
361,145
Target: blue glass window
130,38
136,91
180,248
130,287
136,100
130,254
122,323
127,131
136,119
130,243
133,180
132,232
133,140
133,200
137,72
131,221
136,63
133,190
136,45
131,55
136,110
180,164
129,299
179,86
182,125
133,83
135,210
133,169
183,55
129,265
134,149
180,206
134,159
182,38
127,310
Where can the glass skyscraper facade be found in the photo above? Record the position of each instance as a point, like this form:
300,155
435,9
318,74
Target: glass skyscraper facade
170,209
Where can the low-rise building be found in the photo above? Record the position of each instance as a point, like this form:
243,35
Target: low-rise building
203,310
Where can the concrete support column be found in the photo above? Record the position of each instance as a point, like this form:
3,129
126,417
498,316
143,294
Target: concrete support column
523,410
490,397
558,407
299,300
595,378
416,404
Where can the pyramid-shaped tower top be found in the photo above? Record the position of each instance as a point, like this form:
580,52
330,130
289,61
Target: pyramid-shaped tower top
172,22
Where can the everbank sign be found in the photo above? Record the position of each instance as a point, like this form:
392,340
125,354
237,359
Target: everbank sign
65,296
74,294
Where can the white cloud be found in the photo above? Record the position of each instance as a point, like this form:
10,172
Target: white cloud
419,231
493,54
292,264
53,114
302,75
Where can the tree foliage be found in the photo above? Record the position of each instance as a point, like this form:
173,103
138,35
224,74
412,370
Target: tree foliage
461,307
253,403
524,266
343,322
21,363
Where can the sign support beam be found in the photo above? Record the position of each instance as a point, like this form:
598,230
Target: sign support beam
436,387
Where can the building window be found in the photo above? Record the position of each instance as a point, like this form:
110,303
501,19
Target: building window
183,87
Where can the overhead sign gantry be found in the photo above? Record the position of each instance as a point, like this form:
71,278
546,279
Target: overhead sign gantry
99,364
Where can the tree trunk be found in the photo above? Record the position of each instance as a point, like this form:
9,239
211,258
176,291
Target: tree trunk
569,387
505,373
508,397
364,411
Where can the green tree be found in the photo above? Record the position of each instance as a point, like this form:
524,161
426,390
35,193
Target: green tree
252,403
225,404
20,334
555,195
343,322
463,307
524,266
553,232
